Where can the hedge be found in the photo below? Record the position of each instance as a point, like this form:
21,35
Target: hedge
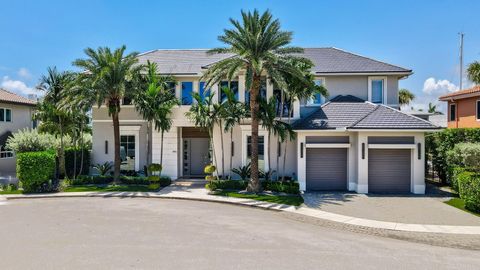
438,144
469,190
70,162
127,180
36,171
275,186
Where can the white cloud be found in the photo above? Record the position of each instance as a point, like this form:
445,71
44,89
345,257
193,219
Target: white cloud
18,87
438,87
24,73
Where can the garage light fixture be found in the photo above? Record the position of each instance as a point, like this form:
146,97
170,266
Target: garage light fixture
419,150
363,150
301,150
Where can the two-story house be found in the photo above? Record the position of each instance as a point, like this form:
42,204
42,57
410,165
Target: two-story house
463,108
15,113
355,139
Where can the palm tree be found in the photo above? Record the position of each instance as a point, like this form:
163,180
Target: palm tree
473,72
233,113
155,101
258,46
55,85
405,97
108,74
268,117
433,108
218,112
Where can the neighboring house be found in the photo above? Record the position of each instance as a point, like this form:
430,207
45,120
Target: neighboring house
463,108
15,113
438,119
354,140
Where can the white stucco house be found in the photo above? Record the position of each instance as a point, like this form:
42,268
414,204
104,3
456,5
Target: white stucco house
354,140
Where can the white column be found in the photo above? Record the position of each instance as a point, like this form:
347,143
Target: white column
362,174
241,88
178,90
269,89
418,172
301,161
352,162
215,91
196,89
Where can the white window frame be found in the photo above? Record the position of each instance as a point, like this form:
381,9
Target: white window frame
4,110
6,152
385,83
309,102
133,131
450,112
246,131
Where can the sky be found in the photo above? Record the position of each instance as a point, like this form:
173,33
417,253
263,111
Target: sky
419,35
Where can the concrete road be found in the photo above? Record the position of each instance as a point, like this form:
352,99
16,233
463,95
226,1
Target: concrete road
114,233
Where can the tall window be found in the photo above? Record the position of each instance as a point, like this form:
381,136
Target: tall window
202,91
286,103
261,151
187,89
233,87
127,152
317,99
263,91
171,87
5,115
377,90
478,109
453,112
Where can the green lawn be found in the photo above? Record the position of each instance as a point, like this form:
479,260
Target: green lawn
108,188
5,192
460,204
295,200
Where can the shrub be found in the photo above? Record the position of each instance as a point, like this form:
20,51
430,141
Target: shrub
165,181
154,169
275,186
466,155
286,187
209,169
92,180
29,140
103,168
36,170
469,189
154,186
242,171
134,180
70,162
227,184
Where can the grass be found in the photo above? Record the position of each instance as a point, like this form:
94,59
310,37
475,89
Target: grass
109,188
295,200
460,204
8,192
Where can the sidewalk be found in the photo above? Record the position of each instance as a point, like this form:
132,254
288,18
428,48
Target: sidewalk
195,191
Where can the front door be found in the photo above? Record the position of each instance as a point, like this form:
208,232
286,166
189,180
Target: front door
195,156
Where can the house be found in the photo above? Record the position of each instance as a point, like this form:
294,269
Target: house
15,113
438,119
463,108
355,139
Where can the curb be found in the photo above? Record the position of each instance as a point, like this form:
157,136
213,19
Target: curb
315,213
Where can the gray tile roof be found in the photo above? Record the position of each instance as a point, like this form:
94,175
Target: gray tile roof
360,115
326,60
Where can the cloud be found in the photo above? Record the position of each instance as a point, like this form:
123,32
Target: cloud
24,73
438,87
16,86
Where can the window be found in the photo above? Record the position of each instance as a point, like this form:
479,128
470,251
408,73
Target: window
127,101
263,92
377,89
187,89
317,99
202,91
233,87
171,87
478,109
127,152
261,151
5,115
5,154
286,103
453,112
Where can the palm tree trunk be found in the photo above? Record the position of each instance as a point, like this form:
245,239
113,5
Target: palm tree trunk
286,142
82,147
254,184
223,152
231,154
74,155
269,156
161,148
212,145
282,100
62,150
116,139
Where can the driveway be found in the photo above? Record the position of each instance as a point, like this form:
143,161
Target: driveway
114,233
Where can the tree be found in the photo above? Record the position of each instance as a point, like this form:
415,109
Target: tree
405,97
233,113
107,73
433,108
258,47
154,101
54,117
473,72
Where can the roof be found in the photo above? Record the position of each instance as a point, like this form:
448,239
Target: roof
346,98
326,60
360,115
9,97
474,91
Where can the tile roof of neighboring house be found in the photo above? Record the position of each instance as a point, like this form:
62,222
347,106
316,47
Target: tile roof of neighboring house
475,91
360,115
326,60
9,97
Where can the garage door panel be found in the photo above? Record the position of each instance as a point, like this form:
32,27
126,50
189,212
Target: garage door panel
326,169
389,170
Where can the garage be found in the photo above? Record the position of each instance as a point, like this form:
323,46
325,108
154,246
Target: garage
389,171
326,169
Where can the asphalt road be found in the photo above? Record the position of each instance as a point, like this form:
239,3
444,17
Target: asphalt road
114,233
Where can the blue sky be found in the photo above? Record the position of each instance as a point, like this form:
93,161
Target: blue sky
421,35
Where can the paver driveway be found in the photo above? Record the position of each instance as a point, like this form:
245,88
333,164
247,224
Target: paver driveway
114,233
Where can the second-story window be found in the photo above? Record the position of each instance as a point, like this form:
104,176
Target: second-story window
376,89
187,88
317,98
5,115
453,112
202,91
281,111
233,88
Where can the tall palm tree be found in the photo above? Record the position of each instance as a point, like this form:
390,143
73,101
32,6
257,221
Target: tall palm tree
55,84
155,101
257,46
432,108
473,72
108,73
233,113
405,97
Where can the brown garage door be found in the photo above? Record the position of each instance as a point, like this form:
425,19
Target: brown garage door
326,169
389,170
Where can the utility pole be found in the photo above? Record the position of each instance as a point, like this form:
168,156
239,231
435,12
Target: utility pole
461,59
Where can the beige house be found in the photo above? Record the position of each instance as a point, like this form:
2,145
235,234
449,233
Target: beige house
355,139
15,113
